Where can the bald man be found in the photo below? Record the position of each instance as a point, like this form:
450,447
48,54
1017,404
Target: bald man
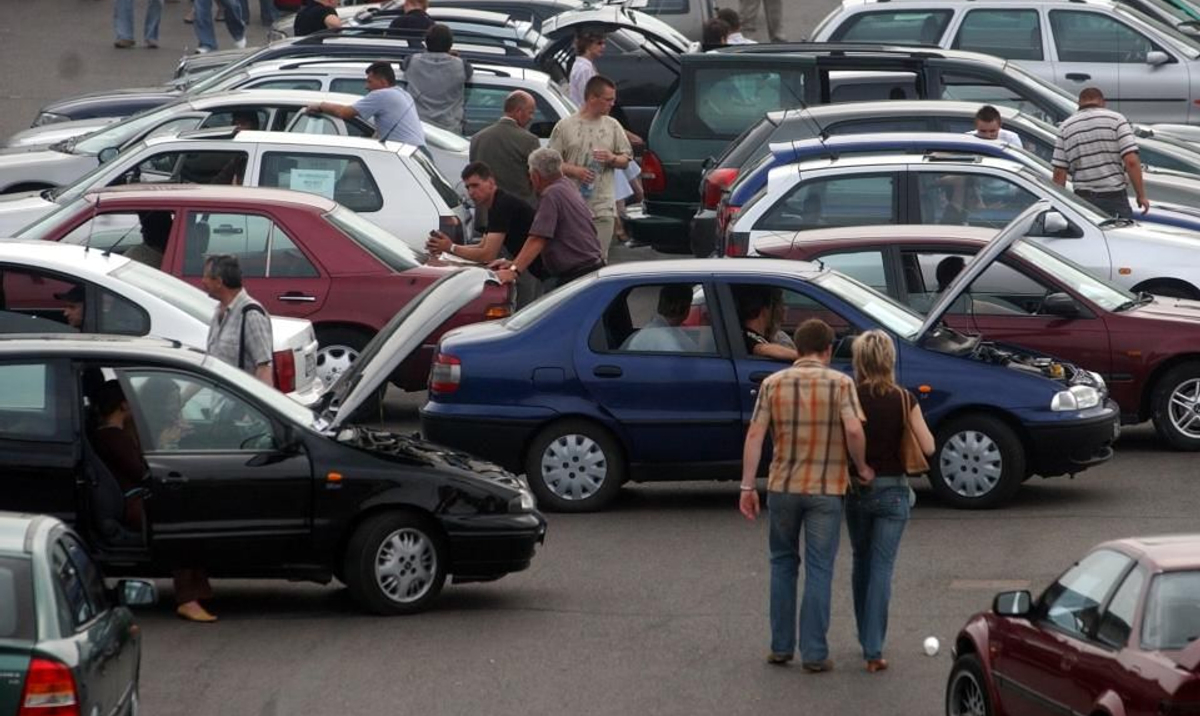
505,146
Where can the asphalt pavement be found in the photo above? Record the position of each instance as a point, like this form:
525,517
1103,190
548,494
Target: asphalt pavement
657,606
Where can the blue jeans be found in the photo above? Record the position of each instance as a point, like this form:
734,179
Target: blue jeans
123,19
206,33
875,522
266,9
820,517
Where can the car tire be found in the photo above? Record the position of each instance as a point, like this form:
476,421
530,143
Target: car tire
574,466
1175,407
1171,289
966,689
396,563
979,462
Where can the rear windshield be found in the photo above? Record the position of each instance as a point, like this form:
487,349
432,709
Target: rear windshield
393,252
722,102
17,619
745,147
1172,619
547,303
909,27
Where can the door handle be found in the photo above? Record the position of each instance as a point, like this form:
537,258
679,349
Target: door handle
759,376
174,478
1078,76
607,371
297,297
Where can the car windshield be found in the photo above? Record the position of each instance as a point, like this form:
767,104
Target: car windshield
1172,619
548,302
41,228
891,315
1080,281
1178,40
118,134
398,255
77,188
17,620
264,393
184,296
218,77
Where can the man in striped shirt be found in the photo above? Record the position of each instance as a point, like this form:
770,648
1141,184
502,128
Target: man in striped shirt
814,417
1096,149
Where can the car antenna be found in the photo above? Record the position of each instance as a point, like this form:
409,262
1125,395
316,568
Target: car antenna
87,243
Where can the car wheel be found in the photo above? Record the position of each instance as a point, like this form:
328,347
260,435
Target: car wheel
1176,406
396,563
966,690
337,350
574,466
979,462
1171,289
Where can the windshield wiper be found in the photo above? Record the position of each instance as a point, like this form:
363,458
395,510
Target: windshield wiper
1142,299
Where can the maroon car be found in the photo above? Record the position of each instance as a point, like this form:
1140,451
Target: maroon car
1146,349
301,255
1118,634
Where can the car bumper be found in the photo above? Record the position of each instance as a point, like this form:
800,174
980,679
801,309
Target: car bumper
702,233
666,234
1075,446
500,440
484,547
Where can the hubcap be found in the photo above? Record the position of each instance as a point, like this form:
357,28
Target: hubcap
971,464
332,361
1185,408
574,467
966,696
405,565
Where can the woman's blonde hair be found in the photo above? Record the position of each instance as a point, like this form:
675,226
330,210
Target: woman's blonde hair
875,362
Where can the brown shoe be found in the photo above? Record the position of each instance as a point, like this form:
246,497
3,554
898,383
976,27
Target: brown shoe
816,667
775,658
193,612
124,44
874,665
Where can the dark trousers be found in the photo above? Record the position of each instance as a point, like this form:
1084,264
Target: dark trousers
1110,203
191,585
570,275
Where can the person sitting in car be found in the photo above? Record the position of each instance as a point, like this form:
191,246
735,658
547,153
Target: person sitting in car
116,447
756,311
662,333
156,229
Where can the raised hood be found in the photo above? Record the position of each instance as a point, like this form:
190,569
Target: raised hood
1016,229
398,339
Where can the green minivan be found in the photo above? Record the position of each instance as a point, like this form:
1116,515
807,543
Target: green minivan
68,645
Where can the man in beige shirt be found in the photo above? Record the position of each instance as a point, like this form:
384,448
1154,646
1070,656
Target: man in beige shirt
592,145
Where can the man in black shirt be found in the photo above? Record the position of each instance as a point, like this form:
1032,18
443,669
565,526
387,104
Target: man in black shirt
414,22
315,16
508,222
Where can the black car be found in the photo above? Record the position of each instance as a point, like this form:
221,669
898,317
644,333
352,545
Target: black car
245,482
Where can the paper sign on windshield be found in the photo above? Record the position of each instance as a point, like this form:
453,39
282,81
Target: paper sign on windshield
313,181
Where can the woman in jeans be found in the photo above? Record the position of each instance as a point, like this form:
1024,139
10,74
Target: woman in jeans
877,512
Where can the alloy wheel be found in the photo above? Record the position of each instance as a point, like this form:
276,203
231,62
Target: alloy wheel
334,360
966,696
1184,407
405,565
971,463
574,467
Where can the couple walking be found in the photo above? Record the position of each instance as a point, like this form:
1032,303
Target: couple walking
817,416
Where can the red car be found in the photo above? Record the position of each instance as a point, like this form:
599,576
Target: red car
1146,349
301,255
1118,634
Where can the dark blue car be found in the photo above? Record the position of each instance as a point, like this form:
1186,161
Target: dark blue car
590,386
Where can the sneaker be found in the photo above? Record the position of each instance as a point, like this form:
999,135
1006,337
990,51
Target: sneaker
124,44
816,667
240,44
203,50
777,659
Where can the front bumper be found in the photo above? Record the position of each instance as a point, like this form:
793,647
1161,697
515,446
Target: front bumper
486,547
1074,446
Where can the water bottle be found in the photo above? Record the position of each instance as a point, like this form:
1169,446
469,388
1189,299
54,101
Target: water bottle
586,188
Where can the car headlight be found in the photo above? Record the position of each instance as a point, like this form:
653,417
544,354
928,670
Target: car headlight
1077,397
523,502
50,118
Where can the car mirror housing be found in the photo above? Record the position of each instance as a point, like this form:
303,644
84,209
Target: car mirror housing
107,155
1012,604
1155,58
1054,224
1060,304
136,593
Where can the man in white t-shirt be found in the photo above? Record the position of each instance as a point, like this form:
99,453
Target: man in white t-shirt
988,126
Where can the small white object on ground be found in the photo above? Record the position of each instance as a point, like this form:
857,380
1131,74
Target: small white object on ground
931,645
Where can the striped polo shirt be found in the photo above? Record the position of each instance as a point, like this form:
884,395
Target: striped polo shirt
1091,146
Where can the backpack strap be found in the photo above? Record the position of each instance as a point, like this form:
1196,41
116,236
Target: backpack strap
248,308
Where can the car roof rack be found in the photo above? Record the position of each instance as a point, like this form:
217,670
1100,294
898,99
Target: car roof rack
956,157
383,37
832,48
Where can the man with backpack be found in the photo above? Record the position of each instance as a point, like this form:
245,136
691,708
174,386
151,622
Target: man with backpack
240,332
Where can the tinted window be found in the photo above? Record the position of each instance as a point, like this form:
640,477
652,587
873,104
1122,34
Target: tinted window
723,102
345,179
1117,621
969,87
1092,37
356,85
1172,619
72,589
183,413
1161,160
866,266
968,199
1073,602
671,318
263,249
482,105
28,406
916,27
16,600
224,118
869,86
1011,34
834,201
743,149
289,84
873,126
665,7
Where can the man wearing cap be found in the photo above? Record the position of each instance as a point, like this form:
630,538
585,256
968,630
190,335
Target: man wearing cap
73,311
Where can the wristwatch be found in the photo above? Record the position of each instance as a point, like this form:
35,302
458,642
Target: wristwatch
451,249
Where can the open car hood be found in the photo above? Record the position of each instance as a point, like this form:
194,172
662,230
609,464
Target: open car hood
402,335
1016,229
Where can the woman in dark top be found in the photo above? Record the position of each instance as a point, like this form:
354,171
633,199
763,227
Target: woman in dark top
877,512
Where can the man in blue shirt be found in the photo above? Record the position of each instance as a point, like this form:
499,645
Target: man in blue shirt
390,108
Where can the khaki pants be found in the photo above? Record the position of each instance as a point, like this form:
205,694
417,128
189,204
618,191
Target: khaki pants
606,226
773,9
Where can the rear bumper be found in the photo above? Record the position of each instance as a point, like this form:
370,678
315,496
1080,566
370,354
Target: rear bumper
1075,446
487,547
702,234
664,233
500,440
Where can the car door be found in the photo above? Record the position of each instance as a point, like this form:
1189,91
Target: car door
834,199
1013,33
655,360
227,489
38,447
276,268
1110,662
965,196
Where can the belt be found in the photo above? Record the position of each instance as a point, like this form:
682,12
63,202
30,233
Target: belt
890,482
572,274
1090,192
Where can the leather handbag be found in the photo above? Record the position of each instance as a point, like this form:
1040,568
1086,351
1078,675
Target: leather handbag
911,455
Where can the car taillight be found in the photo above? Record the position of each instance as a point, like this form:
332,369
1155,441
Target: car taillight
445,375
49,690
452,227
715,184
284,364
654,181
497,311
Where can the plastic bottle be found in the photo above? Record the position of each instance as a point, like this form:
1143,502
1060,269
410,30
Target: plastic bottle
586,188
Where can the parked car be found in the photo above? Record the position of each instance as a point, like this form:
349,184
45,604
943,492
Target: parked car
259,486
129,298
1031,297
67,642
556,391
698,119
301,256
1143,66
1115,634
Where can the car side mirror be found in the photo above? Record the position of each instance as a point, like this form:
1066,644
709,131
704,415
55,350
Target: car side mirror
107,154
1154,58
1054,224
1012,604
136,593
541,130
1060,304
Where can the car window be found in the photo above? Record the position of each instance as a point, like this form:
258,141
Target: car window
835,201
174,127
663,7
1152,157
790,308
970,199
17,620
224,117
1092,37
1172,619
345,179
1073,602
430,173
1031,142
482,104
661,318
873,126
72,589
349,85
910,27
721,102
547,303
30,408
89,573
190,167
970,87
853,86
314,124
1117,621
1011,34
185,413
866,266
263,248
285,83
999,290
141,235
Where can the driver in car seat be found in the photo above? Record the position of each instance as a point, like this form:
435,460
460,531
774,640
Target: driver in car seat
662,333
73,311
757,312
116,447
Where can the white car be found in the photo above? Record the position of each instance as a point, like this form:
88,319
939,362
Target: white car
856,190
125,297
391,184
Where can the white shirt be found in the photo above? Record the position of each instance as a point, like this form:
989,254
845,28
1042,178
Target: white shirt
582,71
1006,135
737,38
